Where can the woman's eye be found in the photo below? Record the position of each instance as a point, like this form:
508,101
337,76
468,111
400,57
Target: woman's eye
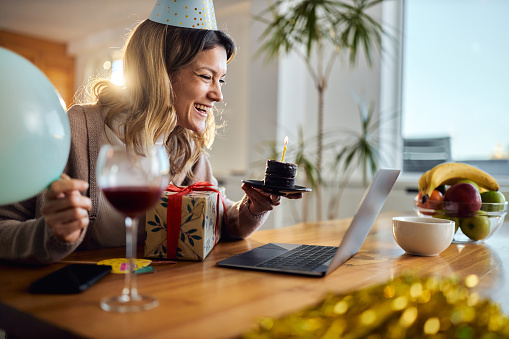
209,78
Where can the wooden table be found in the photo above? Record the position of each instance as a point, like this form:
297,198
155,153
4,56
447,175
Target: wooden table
201,300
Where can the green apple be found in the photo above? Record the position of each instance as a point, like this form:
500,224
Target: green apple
492,197
466,181
447,217
476,228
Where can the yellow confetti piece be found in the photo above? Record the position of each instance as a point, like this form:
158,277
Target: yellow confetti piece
341,307
472,280
408,317
416,290
368,317
399,303
432,326
389,291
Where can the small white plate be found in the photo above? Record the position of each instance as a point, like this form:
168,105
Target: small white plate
277,190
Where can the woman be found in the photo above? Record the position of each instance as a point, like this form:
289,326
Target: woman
173,79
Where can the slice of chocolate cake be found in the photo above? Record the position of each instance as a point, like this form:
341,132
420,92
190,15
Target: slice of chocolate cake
280,174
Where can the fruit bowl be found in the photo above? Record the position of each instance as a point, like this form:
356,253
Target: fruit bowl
470,227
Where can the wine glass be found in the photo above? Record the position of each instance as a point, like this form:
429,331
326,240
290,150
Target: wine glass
132,183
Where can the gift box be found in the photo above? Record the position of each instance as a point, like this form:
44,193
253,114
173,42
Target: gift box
186,223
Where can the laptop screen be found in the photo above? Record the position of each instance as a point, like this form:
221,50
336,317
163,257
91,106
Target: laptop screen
370,206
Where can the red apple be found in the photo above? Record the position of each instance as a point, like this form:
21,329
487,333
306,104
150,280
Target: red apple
462,200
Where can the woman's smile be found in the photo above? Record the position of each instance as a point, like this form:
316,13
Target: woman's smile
202,109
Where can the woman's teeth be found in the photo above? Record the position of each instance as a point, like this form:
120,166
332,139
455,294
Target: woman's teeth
202,108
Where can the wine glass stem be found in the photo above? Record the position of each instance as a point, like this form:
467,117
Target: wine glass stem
130,290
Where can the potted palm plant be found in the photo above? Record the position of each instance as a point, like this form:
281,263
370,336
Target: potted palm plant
319,31
358,149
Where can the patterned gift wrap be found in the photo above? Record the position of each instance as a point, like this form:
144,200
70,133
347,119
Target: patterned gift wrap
186,224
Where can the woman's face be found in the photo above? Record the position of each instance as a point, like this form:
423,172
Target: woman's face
197,87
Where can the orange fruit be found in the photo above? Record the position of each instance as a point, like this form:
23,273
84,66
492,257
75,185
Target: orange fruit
434,202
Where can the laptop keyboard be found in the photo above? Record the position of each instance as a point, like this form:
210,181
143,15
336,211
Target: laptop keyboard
301,258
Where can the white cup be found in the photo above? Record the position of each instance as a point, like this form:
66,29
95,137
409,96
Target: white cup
423,236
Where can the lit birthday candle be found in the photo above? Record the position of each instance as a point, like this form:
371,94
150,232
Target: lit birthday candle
284,149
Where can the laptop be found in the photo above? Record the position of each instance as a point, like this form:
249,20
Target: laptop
318,261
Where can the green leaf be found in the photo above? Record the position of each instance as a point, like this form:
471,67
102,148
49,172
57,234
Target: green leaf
196,237
192,231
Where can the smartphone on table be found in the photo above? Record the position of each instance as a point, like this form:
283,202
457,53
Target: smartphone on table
73,278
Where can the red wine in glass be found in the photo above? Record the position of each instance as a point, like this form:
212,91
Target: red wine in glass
132,182
132,200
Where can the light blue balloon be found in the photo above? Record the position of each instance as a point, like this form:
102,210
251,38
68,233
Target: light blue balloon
35,136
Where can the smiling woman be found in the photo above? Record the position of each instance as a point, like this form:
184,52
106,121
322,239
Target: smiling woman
173,75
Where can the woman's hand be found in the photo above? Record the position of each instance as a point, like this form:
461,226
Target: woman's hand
262,201
66,210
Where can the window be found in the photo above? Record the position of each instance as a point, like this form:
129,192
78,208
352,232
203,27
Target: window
455,75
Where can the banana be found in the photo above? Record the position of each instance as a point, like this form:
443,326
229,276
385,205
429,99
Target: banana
450,172
454,181
423,181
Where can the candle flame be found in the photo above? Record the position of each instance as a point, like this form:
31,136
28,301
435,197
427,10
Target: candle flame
286,140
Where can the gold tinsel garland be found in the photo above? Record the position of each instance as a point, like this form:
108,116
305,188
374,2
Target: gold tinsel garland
405,307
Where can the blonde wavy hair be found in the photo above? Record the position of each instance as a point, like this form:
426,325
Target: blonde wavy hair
152,53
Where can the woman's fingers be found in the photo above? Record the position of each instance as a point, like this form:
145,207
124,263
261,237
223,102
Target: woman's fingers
64,186
260,201
66,210
294,196
71,200
67,224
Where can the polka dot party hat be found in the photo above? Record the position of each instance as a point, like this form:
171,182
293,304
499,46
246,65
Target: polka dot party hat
197,14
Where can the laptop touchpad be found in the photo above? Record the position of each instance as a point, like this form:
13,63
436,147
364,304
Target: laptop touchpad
256,255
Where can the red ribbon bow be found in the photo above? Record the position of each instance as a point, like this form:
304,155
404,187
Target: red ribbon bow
174,211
